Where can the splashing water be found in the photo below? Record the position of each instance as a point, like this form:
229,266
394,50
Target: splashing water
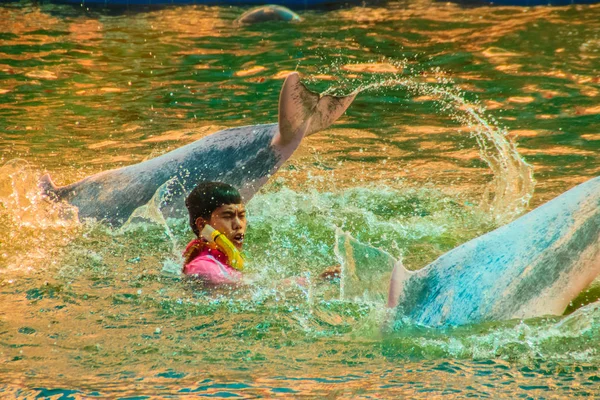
34,226
152,213
20,194
512,185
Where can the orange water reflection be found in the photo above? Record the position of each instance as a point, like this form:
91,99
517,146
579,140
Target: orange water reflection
81,93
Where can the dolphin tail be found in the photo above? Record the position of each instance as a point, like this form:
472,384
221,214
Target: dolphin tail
48,187
303,112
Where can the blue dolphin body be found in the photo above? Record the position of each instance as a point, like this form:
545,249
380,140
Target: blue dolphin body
530,267
244,157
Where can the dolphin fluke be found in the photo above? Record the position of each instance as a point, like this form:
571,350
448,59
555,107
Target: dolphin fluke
303,112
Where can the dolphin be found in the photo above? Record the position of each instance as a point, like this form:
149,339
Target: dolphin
266,13
244,157
531,267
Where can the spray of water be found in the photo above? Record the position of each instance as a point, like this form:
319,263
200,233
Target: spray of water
152,212
33,227
507,195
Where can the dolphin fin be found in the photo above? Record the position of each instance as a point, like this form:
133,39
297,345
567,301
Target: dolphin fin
397,282
48,187
303,112
365,269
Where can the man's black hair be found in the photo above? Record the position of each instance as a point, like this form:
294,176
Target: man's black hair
207,197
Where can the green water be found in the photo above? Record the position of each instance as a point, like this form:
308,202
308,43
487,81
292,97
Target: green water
415,167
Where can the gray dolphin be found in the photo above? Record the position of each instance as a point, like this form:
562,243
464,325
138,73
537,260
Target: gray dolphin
244,157
533,266
266,13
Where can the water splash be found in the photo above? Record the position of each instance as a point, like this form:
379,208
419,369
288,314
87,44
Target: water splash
152,212
293,233
34,226
511,188
508,194
365,271
23,202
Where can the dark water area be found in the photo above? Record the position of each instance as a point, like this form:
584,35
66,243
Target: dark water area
468,117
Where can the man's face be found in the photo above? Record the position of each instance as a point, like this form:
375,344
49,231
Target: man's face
230,220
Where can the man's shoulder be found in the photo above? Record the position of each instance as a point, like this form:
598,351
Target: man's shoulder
205,258
201,263
209,269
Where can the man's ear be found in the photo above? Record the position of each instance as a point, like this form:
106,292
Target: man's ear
200,223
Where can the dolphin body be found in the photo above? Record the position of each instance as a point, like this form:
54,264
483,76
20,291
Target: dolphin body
244,157
531,267
267,13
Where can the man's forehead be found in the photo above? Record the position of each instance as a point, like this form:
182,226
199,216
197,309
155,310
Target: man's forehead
231,207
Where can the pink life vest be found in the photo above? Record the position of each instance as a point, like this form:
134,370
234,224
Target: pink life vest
204,261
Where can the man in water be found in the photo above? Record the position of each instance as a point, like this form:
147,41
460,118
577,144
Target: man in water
220,206
216,209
